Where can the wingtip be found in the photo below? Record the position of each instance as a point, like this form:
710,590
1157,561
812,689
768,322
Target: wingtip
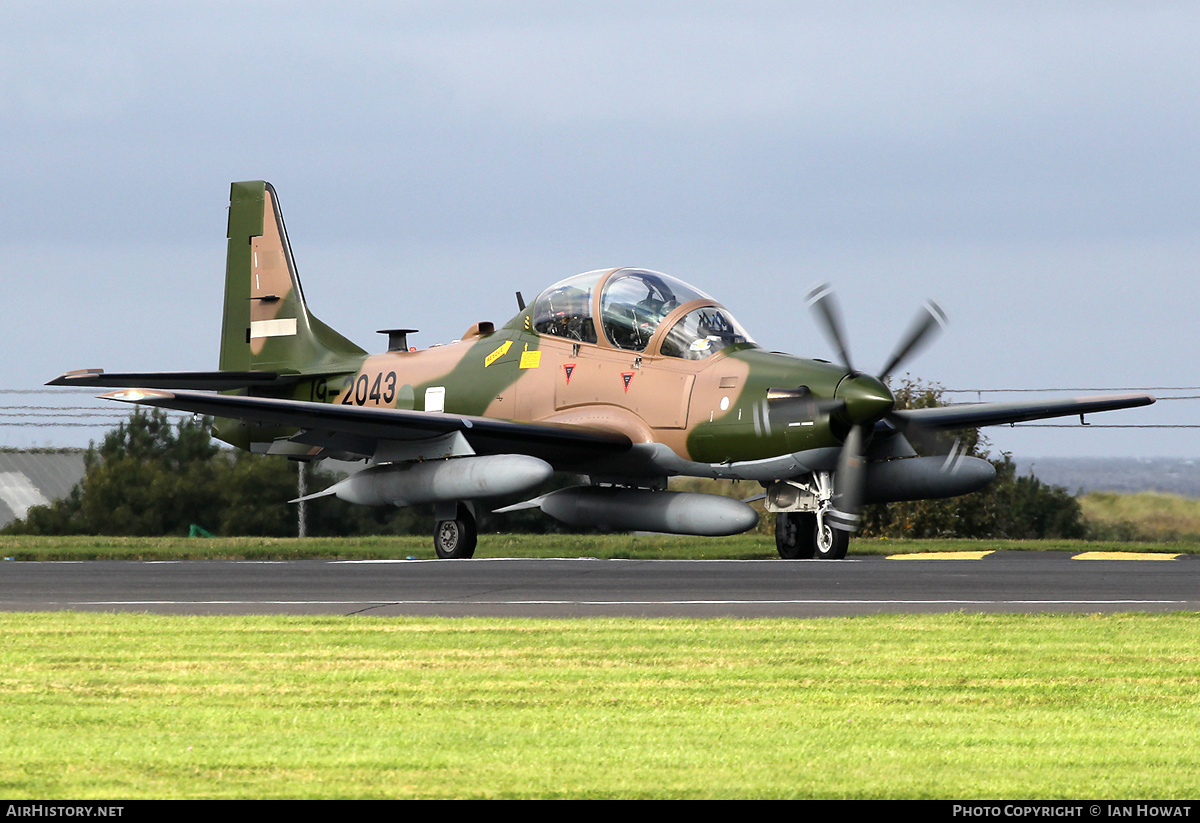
74,376
135,395
1131,400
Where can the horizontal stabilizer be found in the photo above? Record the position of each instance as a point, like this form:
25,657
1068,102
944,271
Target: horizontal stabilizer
210,380
326,422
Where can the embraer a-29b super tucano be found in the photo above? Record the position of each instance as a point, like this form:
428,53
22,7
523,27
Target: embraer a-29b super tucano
625,376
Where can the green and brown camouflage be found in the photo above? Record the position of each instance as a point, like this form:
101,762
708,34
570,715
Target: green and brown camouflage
709,410
626,375
267,325
702,409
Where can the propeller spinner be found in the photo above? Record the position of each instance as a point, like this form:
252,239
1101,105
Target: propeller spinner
864,399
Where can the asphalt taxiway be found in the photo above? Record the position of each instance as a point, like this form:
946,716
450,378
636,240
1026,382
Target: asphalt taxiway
996,582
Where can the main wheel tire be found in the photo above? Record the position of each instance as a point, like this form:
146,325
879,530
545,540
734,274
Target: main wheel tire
829,543
794,536
455,539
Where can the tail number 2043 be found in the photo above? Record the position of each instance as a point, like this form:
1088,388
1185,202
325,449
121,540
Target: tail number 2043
360,391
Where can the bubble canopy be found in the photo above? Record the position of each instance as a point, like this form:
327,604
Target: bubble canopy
631,306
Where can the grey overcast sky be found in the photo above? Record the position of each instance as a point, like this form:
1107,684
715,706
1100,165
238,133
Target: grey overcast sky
1033,166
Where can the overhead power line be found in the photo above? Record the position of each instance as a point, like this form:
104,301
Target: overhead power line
1074,388
1104,425
85,415
65,424
76,416
110,408
66,417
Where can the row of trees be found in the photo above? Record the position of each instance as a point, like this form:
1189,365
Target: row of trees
149,477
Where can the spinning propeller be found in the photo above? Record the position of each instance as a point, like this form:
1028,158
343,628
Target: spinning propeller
864,400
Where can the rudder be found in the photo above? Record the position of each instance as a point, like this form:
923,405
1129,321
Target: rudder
266,324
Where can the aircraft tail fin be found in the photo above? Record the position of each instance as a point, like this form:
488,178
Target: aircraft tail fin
267,325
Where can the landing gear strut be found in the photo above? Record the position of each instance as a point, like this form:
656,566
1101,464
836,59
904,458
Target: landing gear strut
455,534
801,535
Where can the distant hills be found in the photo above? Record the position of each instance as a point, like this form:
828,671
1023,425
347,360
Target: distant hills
1079,475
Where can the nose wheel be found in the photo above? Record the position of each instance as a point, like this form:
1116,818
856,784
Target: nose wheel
804,535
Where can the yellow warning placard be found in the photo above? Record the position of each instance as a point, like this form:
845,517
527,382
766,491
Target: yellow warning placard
531,359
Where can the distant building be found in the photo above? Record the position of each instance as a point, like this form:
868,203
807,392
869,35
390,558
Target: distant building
36,478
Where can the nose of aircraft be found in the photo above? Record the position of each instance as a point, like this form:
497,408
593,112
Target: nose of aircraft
867,398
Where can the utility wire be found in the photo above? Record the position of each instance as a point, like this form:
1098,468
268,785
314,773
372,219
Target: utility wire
1104,426
108,407
58,425
1076,388
66,416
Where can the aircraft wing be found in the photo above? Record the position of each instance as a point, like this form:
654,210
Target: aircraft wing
362,428
974,415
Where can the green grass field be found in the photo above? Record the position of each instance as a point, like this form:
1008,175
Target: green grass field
1147,516
948,706
122,706
1145,522
663,547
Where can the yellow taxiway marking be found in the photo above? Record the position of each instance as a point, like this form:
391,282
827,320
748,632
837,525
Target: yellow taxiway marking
940,556
1124,556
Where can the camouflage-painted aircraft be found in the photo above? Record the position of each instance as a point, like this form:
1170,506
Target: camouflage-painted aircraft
626,376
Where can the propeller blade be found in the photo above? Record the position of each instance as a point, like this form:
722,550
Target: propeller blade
957,451
929,320
821,300
848,483
926,439
865,401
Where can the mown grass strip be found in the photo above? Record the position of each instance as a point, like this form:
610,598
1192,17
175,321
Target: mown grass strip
608,546
945,706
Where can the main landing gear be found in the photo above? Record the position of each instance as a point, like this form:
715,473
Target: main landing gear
802,535
455,534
